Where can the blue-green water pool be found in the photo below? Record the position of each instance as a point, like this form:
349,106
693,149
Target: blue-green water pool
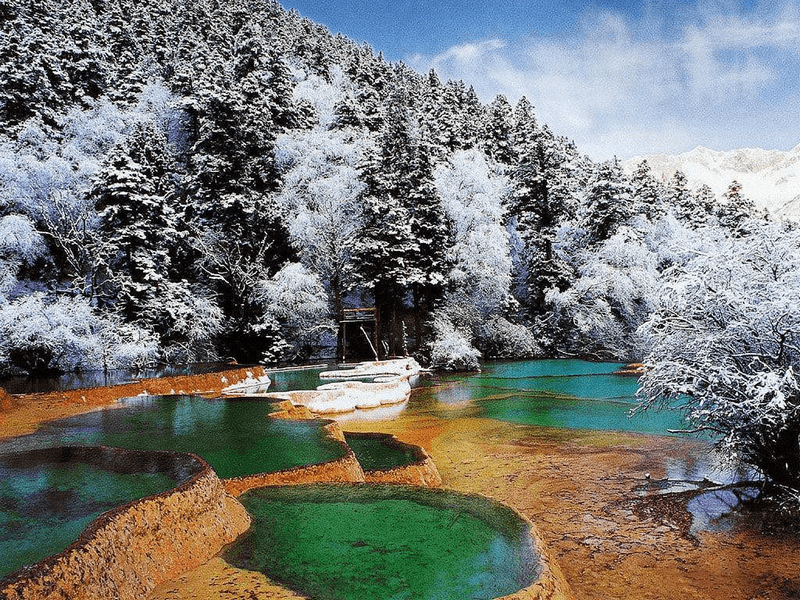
356,542
235,436
574,394
48,499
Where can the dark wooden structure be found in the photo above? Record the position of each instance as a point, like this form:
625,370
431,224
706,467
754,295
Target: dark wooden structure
358,333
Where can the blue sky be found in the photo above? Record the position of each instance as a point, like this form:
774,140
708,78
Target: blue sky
620,78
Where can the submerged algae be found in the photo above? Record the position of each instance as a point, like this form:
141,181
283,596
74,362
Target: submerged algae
347,542
236,436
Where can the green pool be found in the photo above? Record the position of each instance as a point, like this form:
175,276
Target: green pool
574,394
47,498
296,379
355,542
380,452
234,435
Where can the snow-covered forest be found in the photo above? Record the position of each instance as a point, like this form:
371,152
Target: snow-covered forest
184,181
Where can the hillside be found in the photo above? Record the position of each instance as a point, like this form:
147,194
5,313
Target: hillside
771,178
184,181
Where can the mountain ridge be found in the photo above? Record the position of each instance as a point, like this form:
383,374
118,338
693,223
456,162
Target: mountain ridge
771,178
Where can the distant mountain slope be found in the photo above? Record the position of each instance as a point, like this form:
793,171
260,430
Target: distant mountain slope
771,178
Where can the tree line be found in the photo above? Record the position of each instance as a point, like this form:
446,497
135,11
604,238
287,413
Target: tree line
187,181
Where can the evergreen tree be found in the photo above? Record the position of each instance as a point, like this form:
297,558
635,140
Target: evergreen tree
239,235
736,210
431,233
498,134
403,244
607,203
138,227
681,199
470,116
706,201
538,205
647,193
348,114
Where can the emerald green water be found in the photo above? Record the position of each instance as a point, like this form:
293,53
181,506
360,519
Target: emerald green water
377,454
572,394
235,436
359,542
296,379
44,507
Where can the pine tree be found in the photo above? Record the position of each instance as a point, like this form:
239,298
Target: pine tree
138,225
431,232
404,240
348,113
646,193
607,204
736,210
239,234
682,200
707,203
498,134
538,204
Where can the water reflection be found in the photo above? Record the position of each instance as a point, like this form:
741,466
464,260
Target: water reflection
573,394
716,510
87,379
236,436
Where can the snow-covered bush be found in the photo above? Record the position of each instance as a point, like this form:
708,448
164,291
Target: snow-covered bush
38,335
618,285
320,197
190,321
500,338
450,349
725,342
296,305
20,244
472,195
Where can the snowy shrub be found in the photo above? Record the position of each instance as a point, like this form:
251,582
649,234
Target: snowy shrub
500,338
20,244
191,323
320,197
19,238
322,94
725,347
296,304
616,291
38,334
450,349
472,195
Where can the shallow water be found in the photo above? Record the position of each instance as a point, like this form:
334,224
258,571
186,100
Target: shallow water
71,381
44,507
375,454
296,379
234,435
717,510
343,543
573,394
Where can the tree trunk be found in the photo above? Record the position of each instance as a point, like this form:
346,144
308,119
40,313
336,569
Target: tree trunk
781,464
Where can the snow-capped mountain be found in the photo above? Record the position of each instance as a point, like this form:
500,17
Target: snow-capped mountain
771,178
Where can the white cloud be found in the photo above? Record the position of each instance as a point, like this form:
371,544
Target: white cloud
623,87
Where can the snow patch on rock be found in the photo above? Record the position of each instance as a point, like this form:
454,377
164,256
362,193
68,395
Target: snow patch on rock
390,384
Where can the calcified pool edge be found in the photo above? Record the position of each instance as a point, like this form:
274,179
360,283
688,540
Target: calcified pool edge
128,551
389,384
